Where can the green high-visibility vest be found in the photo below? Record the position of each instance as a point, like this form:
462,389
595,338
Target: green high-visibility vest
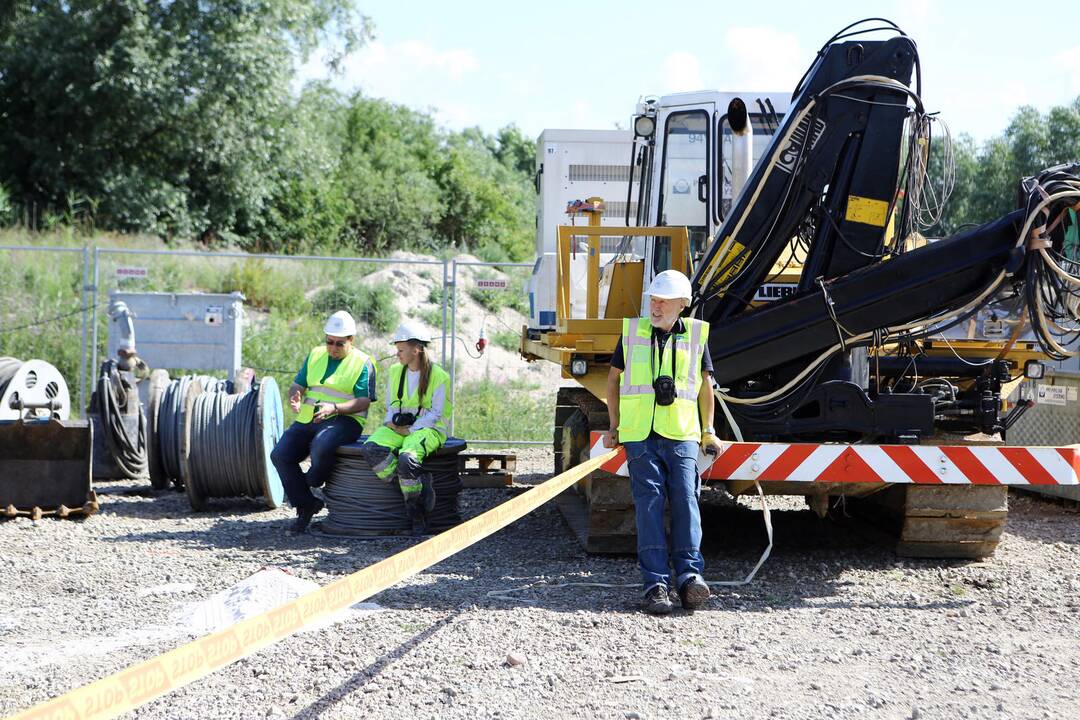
638,412
337,388
401,400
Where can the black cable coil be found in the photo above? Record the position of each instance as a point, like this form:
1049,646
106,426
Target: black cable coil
359,503
129,452
224,457
170,420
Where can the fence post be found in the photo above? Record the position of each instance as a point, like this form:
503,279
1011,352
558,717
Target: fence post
94,318
453,342
85,326
445,279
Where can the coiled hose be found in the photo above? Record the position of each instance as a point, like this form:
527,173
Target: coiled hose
128,451
359,503
170,421
224,458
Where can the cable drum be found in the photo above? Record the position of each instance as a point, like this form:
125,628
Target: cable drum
226,444
360,504
169,423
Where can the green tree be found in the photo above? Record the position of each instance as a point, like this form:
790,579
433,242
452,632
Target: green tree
170,113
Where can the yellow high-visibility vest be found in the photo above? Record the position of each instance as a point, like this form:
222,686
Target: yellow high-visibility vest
337,388
409,402
638,412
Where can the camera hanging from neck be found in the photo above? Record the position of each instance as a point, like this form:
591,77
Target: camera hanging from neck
663,385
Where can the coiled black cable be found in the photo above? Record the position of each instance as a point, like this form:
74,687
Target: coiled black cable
128,450
360,504
170,421
8,367
224,458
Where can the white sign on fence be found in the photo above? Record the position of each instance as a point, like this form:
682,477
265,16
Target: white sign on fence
130,271
491,284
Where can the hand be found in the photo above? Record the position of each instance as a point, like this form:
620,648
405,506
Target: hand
399,429
295,401
324,411
611,439
710,445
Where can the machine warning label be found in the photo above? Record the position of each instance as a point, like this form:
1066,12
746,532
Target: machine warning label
790,153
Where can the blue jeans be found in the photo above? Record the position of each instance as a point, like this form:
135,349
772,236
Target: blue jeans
321,441
663,469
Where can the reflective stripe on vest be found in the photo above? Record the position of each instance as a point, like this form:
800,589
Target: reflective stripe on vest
336,388
410,403
638,412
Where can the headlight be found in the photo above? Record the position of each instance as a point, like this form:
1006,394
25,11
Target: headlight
644,126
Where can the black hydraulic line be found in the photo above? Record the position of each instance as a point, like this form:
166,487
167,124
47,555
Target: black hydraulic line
129,451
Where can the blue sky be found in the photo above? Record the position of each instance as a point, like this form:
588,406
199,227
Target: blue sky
584,64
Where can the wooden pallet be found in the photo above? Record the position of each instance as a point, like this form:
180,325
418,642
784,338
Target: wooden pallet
486,469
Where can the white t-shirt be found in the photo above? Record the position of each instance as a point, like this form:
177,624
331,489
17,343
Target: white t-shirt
426,418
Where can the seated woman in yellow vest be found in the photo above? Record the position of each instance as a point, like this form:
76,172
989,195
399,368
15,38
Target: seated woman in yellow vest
330,397
417,403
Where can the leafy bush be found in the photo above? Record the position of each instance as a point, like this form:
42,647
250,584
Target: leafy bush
507,340
264,287
370,304
486,410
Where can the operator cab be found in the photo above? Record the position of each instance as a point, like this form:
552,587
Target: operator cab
697,149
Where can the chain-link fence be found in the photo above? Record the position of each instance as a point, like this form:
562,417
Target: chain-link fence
45,308
497,397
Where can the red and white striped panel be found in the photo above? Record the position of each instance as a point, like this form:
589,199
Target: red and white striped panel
923,464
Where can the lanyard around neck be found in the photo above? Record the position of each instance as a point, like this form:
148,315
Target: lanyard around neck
655,355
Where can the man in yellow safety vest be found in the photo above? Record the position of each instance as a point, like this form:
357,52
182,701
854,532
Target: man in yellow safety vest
660,406
330,396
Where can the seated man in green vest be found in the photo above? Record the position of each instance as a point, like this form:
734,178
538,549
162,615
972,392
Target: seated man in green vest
417,405
659,395
330,397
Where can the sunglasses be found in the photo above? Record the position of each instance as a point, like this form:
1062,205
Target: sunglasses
336,343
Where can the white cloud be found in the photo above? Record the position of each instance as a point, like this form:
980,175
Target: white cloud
682,72
762,59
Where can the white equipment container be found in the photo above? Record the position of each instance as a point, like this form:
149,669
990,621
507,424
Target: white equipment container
575,165
188,331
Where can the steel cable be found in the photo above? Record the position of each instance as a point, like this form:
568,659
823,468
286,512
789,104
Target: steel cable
225,457
359,503
170,420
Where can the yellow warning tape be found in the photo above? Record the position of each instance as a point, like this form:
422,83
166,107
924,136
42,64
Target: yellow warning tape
139,684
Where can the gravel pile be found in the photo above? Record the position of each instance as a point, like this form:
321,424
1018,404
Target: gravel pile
834,625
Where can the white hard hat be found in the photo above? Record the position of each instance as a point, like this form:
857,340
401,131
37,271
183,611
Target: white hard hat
669,285
409,330
340,324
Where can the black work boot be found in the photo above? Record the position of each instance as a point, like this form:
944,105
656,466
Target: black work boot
657,601
415,507
693,593
304,515
427,491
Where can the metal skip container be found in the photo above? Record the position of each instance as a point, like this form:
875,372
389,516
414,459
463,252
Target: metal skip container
45,457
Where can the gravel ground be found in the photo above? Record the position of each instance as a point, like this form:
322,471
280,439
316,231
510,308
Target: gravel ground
834,625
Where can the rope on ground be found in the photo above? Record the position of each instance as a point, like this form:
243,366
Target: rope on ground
507,594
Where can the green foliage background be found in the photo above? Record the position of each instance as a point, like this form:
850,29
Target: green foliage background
175,118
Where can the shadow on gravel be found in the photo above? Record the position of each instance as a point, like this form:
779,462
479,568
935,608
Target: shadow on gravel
371,672
1043,518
